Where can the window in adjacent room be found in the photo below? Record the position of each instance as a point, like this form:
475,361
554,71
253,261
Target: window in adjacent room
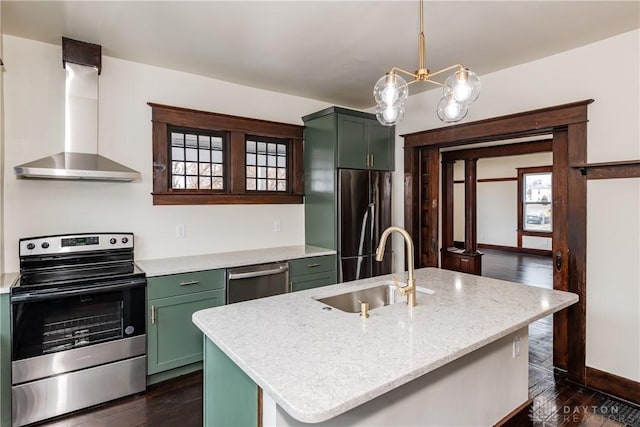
536,199
208,158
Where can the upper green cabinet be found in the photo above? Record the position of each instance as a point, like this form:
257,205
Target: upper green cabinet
358,140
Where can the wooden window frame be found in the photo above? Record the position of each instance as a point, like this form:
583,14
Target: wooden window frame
521,231
238,129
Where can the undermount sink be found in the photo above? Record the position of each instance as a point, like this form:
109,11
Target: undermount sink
378,296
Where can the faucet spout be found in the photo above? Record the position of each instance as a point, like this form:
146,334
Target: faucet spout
410,289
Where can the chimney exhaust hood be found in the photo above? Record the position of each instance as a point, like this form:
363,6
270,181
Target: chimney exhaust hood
80,160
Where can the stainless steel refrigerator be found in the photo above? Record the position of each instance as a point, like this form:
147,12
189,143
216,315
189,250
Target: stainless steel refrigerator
364,211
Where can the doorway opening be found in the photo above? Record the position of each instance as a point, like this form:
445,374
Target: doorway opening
566,126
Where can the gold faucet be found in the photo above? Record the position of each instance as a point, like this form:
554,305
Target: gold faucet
410,289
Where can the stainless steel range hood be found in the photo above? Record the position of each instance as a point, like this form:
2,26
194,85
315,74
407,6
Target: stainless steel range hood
80,160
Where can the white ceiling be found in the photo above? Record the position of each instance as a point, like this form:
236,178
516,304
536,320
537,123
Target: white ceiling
327,50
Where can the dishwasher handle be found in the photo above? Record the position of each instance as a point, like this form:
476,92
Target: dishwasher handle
282,269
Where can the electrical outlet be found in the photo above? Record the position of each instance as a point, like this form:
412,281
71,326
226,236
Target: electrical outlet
516,346
181,231
277,226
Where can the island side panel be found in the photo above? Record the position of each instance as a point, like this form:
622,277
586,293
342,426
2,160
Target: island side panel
230,396
477,389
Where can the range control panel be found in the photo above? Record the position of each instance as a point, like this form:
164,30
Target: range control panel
69,243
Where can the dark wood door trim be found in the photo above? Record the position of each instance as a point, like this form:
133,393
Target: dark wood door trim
535,122
517,149
563,121
470,206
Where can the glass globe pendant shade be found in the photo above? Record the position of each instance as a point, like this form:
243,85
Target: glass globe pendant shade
390,89
464,85
450,110
389,115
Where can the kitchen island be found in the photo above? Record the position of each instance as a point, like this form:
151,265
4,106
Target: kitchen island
458,358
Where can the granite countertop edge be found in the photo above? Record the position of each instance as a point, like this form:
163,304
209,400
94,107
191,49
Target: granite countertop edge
192,263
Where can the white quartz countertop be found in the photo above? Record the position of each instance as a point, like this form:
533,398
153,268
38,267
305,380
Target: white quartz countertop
317,364
6,280
187,264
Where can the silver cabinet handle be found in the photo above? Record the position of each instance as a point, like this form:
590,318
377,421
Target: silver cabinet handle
315,264
153,314
189,282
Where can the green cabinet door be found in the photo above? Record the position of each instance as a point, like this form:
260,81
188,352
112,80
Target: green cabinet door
381,149
172,338
310,281
352,142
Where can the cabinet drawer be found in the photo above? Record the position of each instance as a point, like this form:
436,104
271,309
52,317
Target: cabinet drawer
302,266
184,283
316,280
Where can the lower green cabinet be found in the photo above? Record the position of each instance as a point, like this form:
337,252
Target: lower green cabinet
308,273
173,340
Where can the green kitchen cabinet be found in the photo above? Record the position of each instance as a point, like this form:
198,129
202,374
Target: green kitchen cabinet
308,273
363,143
5,361
173,341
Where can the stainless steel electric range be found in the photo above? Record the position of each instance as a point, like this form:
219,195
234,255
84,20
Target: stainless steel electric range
78,324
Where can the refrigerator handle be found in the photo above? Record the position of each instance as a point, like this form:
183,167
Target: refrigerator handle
372,228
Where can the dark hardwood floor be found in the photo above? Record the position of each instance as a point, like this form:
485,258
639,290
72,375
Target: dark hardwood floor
556,401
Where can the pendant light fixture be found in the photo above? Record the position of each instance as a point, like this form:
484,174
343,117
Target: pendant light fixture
459,90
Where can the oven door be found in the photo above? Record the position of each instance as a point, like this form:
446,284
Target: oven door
49,323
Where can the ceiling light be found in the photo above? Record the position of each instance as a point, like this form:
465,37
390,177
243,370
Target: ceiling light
459,90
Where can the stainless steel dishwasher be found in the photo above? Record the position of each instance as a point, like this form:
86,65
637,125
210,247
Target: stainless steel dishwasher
257,281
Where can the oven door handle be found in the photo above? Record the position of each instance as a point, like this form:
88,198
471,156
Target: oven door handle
28,297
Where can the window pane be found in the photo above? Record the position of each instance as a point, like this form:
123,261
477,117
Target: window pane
177,153
191,141
251,171
282,185
205,183
262,160
218,170
203,142
271,172
262,184
251,146
192,168
271,160
251,159
537,202
192,182
251,184
282,162
192,154
216,183
177,139
262,172
205,156
177,168
262,147
282,174
205,169
177,182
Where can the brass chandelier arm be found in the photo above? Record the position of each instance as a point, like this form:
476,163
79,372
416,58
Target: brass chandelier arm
444,70
409,73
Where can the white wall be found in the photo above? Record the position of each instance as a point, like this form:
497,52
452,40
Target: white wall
497,201
33,96
591,71
613,276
